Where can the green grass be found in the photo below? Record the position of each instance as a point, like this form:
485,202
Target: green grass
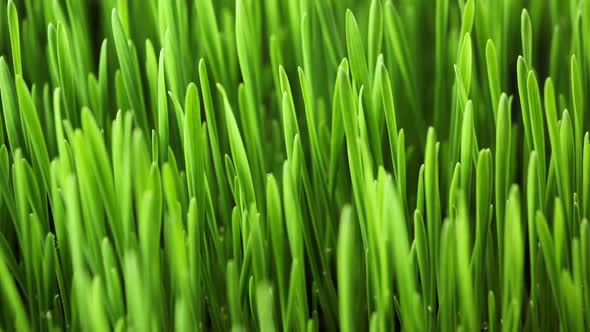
306,165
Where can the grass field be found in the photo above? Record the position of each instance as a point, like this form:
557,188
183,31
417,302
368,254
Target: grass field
294,165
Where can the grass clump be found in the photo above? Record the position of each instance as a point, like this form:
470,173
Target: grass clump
294,165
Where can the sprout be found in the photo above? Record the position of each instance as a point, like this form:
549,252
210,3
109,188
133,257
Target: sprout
294,165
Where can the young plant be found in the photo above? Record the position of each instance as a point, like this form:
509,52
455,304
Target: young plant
294,165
